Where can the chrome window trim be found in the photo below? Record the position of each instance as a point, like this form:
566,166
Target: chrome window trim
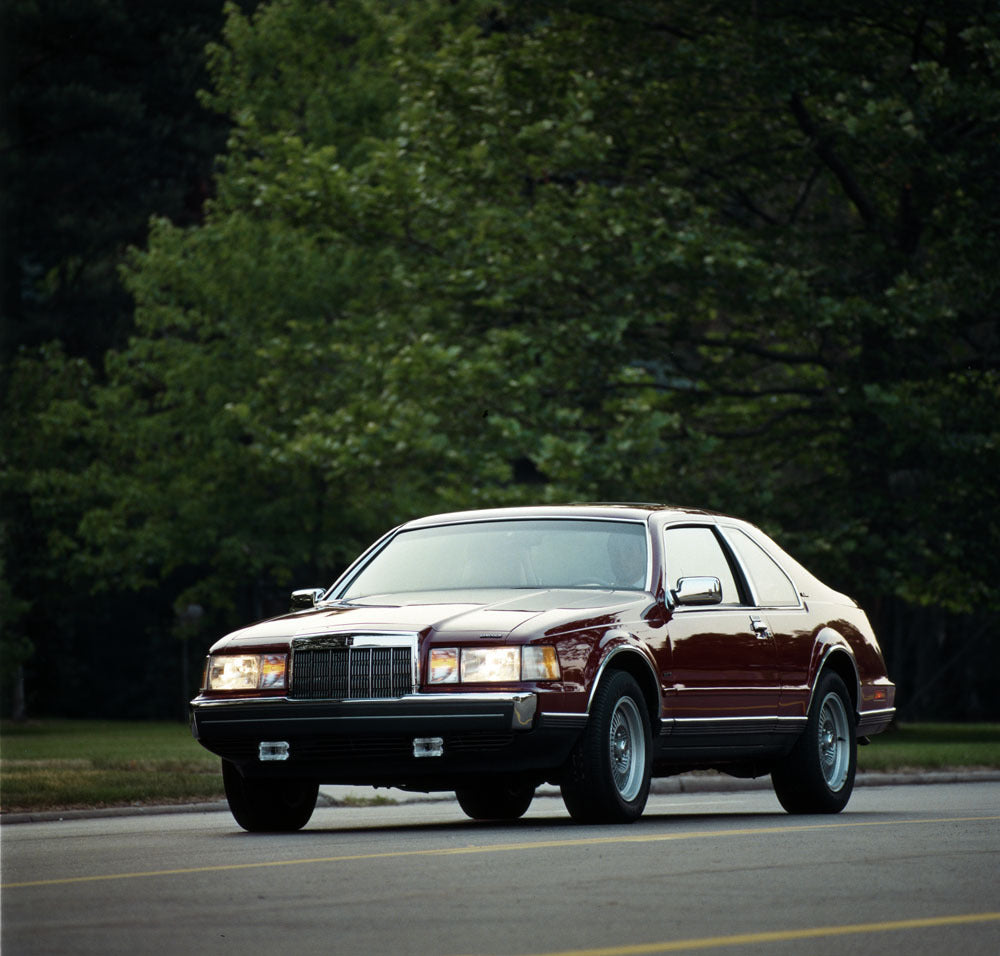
702,608
724,529
711,525
357,564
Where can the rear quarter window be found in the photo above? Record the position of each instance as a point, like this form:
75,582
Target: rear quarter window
770,584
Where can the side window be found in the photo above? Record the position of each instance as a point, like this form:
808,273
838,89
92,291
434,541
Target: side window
770,583
696,552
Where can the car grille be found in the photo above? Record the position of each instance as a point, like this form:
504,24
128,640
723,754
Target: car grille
351,673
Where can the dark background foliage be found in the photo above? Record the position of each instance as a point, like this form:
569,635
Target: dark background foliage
279,276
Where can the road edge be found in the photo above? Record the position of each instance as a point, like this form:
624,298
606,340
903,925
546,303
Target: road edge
359,796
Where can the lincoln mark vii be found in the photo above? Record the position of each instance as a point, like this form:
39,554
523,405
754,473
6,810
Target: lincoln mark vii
590,647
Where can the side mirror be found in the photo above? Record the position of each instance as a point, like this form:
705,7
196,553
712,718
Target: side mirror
306,598
697,591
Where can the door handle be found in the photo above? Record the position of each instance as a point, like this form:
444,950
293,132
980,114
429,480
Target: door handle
762,631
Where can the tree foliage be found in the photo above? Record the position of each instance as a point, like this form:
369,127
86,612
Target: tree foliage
99,127
473,254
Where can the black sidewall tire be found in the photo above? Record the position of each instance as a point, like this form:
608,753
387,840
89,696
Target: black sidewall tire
799,781
268,806
501,799
588,786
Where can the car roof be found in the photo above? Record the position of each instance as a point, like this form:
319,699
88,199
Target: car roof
664,515
623,510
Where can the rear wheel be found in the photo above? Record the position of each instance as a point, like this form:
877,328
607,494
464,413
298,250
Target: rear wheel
607,777
269,806
504,799
818,775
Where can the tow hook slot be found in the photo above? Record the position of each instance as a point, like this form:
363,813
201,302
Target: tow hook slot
428,746
273,750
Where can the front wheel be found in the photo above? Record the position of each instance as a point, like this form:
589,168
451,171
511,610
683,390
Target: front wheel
269,806
607,777
503,799
818,775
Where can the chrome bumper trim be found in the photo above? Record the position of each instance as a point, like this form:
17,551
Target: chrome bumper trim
523,706
882,712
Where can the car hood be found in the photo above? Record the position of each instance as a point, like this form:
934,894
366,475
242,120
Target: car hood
451,615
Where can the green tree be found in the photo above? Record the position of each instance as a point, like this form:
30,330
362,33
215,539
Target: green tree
677,254
547,251
99,127
35,462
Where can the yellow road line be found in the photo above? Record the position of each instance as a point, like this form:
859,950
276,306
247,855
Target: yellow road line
777,936
498,848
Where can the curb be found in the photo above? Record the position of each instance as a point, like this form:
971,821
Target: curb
344,796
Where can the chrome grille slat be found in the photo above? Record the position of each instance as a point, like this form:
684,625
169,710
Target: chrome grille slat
351,673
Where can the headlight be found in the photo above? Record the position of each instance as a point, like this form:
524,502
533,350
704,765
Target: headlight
489,665
246,672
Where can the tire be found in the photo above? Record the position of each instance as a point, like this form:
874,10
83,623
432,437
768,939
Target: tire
818,775
607,777
269,806
503,799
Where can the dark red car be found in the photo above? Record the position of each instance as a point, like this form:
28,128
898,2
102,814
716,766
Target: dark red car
588,646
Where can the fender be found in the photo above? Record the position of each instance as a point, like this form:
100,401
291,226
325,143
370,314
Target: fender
615,644
831,649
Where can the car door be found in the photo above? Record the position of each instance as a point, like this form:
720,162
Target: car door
723,662
785,611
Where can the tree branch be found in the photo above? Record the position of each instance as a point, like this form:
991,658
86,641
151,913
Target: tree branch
824,149
752,348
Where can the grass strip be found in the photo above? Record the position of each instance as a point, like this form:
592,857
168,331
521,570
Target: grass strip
933,747
66,764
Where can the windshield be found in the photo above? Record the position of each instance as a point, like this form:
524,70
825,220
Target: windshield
537,553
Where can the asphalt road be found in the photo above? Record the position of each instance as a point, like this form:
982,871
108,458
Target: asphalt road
909,869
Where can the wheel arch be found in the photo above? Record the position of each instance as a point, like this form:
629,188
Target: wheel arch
630,660
839,660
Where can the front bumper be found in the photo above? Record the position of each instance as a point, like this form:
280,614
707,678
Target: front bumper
422,741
